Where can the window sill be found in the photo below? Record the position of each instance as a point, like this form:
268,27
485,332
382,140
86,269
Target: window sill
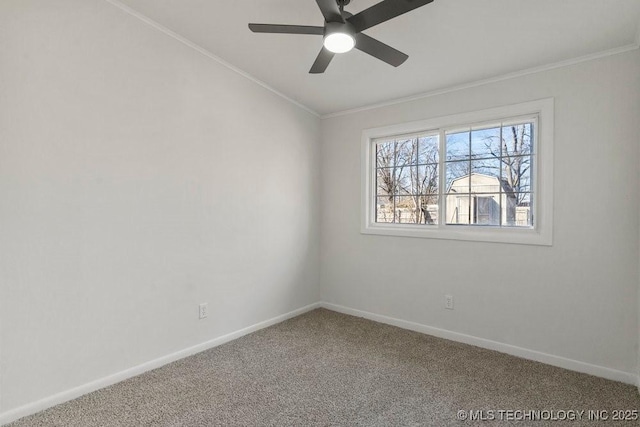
520,236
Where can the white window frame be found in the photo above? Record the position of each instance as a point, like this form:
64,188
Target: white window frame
539,234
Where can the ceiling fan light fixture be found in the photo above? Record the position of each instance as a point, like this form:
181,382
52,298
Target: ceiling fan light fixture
339,37
339,42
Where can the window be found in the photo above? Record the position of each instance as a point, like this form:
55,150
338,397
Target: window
477,176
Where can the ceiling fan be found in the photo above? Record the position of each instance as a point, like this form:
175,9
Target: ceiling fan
342,31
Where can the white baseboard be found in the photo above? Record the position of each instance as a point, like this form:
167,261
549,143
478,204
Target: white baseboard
56,399
549,359
562,362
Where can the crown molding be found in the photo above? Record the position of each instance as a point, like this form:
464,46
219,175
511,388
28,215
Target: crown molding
521,73
206,53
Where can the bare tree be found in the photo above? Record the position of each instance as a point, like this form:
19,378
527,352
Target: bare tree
386,182
514,153
517,160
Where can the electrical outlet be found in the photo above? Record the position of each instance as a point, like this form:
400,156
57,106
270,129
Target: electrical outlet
448,302
204,310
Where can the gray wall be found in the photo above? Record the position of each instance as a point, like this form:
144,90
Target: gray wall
138,178
577,299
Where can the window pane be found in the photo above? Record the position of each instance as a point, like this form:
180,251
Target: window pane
516,139
428,150
407,210
485,176
517,210
385,154
457,174
384,209
427,180
385,182
457,208
485,143
405,176
405,152
485,209
428,209
457,146
517,173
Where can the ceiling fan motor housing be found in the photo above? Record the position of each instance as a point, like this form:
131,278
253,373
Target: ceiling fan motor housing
339,27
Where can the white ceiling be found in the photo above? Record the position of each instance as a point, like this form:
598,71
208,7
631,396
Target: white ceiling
449,42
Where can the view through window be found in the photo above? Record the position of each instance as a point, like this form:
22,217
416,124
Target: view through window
480,175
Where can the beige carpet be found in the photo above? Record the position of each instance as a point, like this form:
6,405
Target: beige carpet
325,368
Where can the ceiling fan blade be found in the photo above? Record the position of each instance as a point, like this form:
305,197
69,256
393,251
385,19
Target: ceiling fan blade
330,10
383,11
322,61
380,50
286,29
